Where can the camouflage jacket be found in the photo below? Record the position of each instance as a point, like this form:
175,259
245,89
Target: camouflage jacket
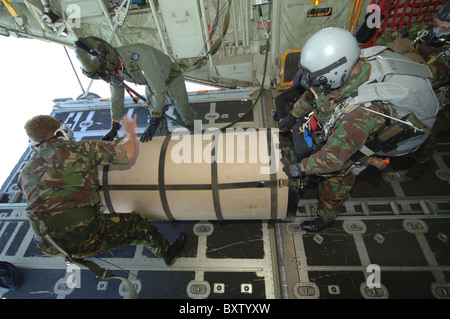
349,133
63,175
440,67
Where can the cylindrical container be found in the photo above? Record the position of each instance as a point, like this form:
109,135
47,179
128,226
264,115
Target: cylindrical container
235,175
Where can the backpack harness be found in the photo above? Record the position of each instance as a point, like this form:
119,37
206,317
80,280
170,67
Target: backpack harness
400,86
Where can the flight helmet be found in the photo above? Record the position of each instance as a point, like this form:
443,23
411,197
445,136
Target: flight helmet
328,57
97,57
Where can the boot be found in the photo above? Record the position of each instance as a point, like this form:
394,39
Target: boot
415,171
315,225
115,127
174,249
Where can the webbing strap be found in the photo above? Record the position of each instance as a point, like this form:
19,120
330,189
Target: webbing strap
96,269
215,183
194,187
106,189
273,178
106,274
161,178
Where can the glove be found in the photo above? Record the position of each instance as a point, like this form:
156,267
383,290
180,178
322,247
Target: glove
286,123
275,116
115,127
293,170
151,129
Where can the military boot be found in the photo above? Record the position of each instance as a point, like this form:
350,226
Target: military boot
115,127
315,225
174,249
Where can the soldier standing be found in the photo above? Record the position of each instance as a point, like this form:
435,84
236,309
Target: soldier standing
140,64
63,201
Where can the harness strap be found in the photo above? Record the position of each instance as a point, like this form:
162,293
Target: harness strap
106,274
71,218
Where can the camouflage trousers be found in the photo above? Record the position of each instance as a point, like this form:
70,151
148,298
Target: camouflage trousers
106,232
441,125
332,193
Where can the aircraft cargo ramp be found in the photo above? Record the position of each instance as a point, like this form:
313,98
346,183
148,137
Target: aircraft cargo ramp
392,241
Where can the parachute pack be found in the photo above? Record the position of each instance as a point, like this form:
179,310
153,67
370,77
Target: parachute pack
405,87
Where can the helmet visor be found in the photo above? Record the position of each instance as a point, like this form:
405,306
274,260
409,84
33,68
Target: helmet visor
319,78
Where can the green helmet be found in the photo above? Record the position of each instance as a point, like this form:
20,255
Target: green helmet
97,57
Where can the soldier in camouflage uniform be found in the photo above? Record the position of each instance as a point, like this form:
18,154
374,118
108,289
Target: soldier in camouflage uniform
140,64
63,201
327,85
428,44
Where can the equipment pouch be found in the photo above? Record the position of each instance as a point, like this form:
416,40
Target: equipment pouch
389,138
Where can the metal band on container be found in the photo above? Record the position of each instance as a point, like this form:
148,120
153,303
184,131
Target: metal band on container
161,178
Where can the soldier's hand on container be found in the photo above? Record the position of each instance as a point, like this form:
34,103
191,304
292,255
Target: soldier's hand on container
130,126
131,143
293,170
151,129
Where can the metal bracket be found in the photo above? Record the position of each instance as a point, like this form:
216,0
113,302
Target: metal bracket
219,288
123,289
415,226
246,289
373,293
198,289
379,238
306,290
441,290
204,229
293,228
334,290
63,287
354,227
102,285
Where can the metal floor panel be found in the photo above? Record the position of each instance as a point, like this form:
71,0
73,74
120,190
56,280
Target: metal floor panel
335,263
210,266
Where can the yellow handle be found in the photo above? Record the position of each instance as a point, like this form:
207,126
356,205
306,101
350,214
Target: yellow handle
10,8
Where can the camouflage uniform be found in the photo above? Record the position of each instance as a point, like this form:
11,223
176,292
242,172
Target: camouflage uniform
62,178
348,136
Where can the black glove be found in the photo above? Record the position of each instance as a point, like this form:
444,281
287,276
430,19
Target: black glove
115,127
286,123
275,116
151,129
293,170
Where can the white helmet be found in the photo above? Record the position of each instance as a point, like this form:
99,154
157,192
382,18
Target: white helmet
328,57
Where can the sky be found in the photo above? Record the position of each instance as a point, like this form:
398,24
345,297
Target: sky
33,74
